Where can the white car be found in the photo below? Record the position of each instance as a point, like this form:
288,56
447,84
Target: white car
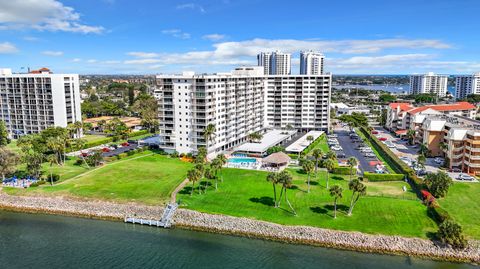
332,136
337,148
465,177
439,160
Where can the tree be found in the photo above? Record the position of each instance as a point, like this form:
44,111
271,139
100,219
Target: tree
308,168
317,156
147,107
450,232
273,178
387,98
285,179
310,138
352,162
201,169
78,125
332,155
193,176
443,146
358,189
421,160
255,136
8,162
117,129
438,184
79,144
95,159
411,134
51,159
222,161
4,140
423,150
216,165
275,149
201,155
336,193
329,165
209,134
34,161
57,146
382,119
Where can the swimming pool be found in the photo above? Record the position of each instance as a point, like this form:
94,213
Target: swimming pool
242,160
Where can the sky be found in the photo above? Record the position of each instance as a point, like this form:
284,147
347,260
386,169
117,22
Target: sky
206,36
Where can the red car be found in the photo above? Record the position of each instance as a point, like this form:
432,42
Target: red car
374,132
125,144
382,139
105,150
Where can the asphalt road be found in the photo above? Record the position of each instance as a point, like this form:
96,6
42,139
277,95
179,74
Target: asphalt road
349,148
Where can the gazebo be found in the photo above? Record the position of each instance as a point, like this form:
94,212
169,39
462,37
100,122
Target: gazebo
277,159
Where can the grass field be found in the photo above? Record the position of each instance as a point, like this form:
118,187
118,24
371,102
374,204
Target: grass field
145,177
385,210
463,205
323,145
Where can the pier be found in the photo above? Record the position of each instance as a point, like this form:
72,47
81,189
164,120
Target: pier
164,222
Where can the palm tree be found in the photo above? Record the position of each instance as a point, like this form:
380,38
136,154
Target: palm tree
216,165
317,155
78,145
310,138
332,155
222,161
308,168
443,146
411,136
101,125
193,176
273,178
201,169
336,193
421,160
78,125
352,162
255,136
423,149
285,179
208,134
329,165
51,159
201,155
358,189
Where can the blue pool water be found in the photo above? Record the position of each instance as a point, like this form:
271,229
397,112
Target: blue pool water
242,160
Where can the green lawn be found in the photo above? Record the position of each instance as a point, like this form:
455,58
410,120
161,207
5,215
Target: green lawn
93,138
323,145
145,177
463,205
386,210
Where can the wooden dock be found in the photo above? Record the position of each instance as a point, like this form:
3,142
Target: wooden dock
164,222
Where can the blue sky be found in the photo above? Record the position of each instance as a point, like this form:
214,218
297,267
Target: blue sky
147,37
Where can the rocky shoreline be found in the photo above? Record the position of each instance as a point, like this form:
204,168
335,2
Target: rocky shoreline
194,220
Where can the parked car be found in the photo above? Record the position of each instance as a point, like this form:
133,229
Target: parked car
382,139
465,177
370,155
374,132
125,144
455,170
421,172
341,155
439,160
332,136
337,148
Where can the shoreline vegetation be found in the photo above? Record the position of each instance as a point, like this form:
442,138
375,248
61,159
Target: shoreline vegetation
223,224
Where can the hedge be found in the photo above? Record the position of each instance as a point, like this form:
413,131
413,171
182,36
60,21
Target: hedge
313,144
107,140
342,170
383,177
398,165
438,213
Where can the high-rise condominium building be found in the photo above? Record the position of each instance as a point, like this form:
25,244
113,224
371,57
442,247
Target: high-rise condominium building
275,63
237,104
468,84
429,83
311,63
29,103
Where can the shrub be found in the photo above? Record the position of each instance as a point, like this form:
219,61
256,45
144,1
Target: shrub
118,157
342,170
131,152
182,155
174,154
383,177
123,155
437,213
450,232
438,184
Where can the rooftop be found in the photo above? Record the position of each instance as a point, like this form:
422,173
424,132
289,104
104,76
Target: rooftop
269,139
302,142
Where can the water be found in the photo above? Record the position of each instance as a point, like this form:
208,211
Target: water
389,88
44,241
242,160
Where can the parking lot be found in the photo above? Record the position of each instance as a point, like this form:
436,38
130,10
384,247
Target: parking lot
349,149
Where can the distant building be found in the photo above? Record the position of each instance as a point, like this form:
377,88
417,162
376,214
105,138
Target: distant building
466,85
32,102
275,63
311,63
429,83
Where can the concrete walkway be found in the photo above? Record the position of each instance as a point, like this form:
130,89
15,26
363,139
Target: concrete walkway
173,196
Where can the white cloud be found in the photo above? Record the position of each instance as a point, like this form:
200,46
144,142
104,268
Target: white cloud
31,38
76,60
143,61
7,48
176,33
92,61
49,15
191,6
52,53
214,37
140,54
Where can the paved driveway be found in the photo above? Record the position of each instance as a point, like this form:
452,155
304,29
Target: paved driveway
349,148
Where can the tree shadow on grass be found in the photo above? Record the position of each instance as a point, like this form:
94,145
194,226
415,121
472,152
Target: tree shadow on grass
186,190
340,208
337,178
319,210
314,183
268,201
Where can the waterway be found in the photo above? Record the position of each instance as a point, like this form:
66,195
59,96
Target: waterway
47,241
389,88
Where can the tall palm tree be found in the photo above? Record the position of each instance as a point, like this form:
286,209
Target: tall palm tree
331,155
285,179
51,159
421,160
352,162
329,165
358,189
411,136
200,167
273,178
255,136
209,134
308,168
193,176
216,165
317,155
336,193
78,125
423,149
443,146
222,161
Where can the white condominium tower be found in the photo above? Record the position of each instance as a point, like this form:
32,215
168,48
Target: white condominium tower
31,102
275,63
429,83
238,104
311,63
467,84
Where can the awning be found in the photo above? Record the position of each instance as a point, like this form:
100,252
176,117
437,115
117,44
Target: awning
401,132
